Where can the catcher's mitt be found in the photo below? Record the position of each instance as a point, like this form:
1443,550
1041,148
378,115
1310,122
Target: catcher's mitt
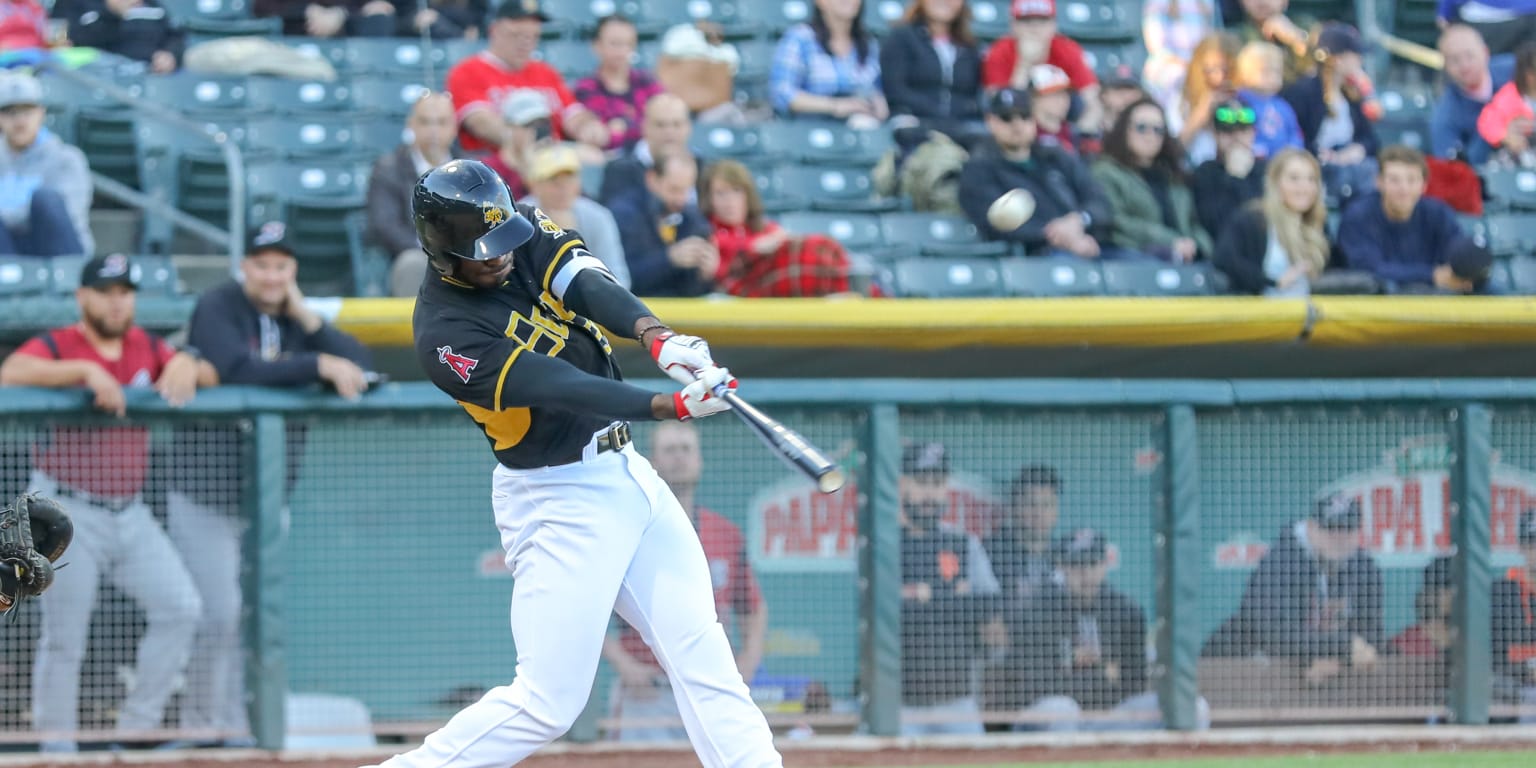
34,532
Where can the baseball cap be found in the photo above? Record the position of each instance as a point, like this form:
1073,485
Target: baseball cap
111,269
1231,116
1083,546
924,458
271,236
525,105
1120,76
1033,9
551,161
521,9
1337,37
1009,102
1438,574
1048,78
1470,260
19,88
1337,513
1525,530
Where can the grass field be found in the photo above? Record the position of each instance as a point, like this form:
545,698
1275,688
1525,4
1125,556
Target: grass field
1382,760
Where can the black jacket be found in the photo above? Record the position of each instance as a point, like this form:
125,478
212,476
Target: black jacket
137,35
1056,626
940,638
1514,627
1059,182
1306,97
1022,573
1240,250
916,84
621,177
1291,608
1217,193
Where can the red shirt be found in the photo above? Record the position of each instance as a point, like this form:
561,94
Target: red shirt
103,461
482,80
23,24
735,584
997,68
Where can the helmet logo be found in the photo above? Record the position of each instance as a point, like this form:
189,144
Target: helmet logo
494,214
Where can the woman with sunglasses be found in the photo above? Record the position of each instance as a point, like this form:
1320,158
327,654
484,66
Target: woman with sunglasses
1278,246
1142,172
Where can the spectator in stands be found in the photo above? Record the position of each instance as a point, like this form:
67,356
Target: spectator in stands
665,130
1071,211
1315,597
98,474
1398,234
1257,78
141,30
529,125
45,185
1208,84
1470,82
667,241
331,18
1264,21
254,331
829,67
642,690
1514,623
392,182
555,179
618,91
1172,30
1278,246
1142,174
1050,104
930,68
1035,40
1020,550
442,19
948,619
23,25
483,84
1509,120
1430,636
1505,24
757,257
697,65
1119,89
1332,108
1235,176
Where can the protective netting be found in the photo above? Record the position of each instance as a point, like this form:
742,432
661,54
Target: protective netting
1512,606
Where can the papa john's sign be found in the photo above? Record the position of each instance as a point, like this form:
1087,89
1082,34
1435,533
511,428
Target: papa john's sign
1406,501
791,527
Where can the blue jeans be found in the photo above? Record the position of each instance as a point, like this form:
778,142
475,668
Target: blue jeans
49,230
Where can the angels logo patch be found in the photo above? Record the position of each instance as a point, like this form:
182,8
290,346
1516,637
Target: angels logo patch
462,366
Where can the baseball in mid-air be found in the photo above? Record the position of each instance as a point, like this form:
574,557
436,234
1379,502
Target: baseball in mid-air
1011,210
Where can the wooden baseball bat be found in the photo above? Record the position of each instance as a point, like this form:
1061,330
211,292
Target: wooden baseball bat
790,445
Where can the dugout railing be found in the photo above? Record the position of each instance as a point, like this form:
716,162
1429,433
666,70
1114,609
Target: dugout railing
371,571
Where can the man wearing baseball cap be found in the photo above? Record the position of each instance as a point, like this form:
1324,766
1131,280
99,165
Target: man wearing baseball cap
1315,597
1035,40
45,184
1071,211
1514,620
1235,176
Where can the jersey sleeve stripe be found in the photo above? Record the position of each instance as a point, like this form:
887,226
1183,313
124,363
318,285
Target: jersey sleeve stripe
502,378
573,267
549,272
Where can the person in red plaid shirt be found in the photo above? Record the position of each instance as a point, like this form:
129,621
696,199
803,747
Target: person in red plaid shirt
757,257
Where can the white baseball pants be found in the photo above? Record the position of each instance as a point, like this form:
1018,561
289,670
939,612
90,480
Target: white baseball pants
584,540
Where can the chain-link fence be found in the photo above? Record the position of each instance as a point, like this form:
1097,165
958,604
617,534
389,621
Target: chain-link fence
1037,542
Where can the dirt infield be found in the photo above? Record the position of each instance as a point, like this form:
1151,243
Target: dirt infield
858,751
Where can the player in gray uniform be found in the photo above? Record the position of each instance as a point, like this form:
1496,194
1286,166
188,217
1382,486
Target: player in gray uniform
511,326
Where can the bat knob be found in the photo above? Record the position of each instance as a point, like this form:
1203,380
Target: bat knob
830,481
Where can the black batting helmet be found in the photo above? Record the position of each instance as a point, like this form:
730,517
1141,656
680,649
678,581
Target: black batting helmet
463,210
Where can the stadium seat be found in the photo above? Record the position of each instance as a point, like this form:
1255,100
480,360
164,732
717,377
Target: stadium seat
1416,21
776,199
374,135
1400,103
1099,20
769,18
386,97
64,273
274,95
332,49
311,137
1413,134
319,225
1153,278
1052,276
991,19
756,58
856,231
881,15
191,92
1105,55
1511,189
1474,227
107,136
937,234
203,28
946,278
1511,234
390,56
845,188
284,180
663,14
1522,274
573,59
716,142
182,10
156,275
824,142
1321,10
24,276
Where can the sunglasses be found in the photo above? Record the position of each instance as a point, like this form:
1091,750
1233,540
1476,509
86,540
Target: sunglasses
1152,128
1242,116
1011,115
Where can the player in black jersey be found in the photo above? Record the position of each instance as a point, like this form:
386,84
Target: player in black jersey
511,325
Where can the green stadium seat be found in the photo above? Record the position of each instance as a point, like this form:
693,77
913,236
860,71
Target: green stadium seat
1511,189
1413,134
1406,103
1099,20
1474,227
204,28
285,180
1052,276
374,135
991,19
107,137
571,58
183,10
663,14
393,56
1522,274
776,199
1321,10
717,142
881,15
756,58
840,188
1153,278
949,278
332,49
1511,234
769,18
937,234
386,97
156,275
1106,55
824,142
310,137
320,225
370,263
275,95
191,92
1415,21
856,231
24,276
64,273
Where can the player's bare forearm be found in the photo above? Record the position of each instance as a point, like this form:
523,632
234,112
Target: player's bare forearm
754,641
29,371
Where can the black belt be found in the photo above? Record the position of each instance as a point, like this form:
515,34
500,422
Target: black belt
613,438
111,503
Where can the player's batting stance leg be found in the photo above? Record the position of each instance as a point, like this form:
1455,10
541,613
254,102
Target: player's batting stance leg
587,525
